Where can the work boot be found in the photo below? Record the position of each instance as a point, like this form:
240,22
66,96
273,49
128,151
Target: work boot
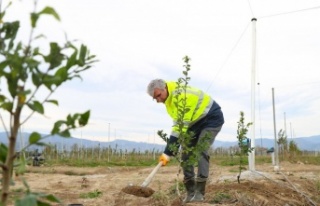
199,192
190,186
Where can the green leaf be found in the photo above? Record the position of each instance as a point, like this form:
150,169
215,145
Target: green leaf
22,165
2,98
56,127
41,203
10,29
46,10
55,57
65,133
36,106
72,60
49,80
82,55
7,106
61,75
34,18
28,200
36,79
42,144
52,198
50,11
38,37
53,101
3,152
3,65
84,118
25,183
32,63
34,137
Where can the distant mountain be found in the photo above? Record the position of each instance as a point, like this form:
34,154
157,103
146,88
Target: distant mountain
309,143
67,143
304,143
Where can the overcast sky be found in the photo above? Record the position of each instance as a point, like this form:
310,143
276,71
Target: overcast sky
137,41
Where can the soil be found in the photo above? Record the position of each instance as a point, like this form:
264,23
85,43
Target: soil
138,191
294,184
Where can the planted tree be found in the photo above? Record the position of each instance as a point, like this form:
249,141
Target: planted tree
26,69
185,137
282,142
294,149
243,142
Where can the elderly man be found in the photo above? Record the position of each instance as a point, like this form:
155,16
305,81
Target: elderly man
203,119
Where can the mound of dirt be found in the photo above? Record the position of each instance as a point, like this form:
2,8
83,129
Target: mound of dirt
138,191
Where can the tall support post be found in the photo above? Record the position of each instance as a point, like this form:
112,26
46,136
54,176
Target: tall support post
251,157
109,142
276,149
285,132
154,145
290,130
285,124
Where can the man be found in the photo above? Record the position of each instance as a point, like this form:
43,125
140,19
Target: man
203,119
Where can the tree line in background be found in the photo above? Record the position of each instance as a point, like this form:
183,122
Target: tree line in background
79,155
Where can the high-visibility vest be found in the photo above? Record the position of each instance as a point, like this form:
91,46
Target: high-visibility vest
197,105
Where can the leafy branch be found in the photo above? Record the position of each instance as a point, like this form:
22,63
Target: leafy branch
25,69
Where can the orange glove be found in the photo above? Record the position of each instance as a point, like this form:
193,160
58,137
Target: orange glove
164,159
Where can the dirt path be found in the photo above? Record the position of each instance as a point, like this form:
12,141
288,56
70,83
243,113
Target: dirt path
295,184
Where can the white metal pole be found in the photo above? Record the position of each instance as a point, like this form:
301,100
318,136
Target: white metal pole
290,130
285,132
285,124
109,142
154,145
251,156
276,167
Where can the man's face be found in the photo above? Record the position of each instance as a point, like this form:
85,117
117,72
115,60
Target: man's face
160,95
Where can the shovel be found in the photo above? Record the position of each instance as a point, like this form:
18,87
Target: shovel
143,190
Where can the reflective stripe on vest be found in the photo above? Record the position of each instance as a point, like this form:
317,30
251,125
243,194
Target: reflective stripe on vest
198,110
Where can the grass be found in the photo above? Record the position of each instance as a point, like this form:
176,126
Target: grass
147,161
71,173
318,185
102,162
232,161
161,198
91,195
220,197
306,159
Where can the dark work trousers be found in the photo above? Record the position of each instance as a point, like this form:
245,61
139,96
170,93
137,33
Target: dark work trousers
203,162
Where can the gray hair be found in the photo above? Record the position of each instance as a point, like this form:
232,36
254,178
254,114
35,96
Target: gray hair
156,83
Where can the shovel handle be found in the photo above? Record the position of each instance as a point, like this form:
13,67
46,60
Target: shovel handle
149,178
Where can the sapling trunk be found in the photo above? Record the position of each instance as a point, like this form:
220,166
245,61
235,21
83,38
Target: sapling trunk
241,136
7,168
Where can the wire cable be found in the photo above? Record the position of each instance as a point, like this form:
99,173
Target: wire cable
237,42
295,85
229,55
289,12
250,8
